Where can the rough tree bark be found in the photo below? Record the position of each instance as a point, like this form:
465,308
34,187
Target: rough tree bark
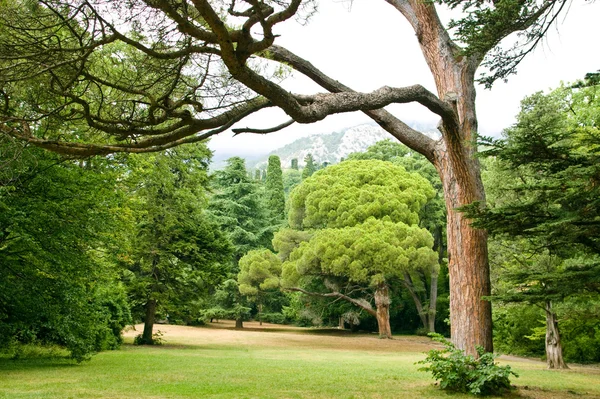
554,355
453,157
382,306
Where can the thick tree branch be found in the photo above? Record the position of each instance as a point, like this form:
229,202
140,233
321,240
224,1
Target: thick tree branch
401,131
186,134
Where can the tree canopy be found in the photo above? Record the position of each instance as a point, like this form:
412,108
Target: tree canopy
355,242
551,161
148,75
59,244
351,192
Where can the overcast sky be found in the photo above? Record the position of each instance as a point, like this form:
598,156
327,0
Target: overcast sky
370,45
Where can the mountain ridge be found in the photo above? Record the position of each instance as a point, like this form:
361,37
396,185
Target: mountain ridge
332,147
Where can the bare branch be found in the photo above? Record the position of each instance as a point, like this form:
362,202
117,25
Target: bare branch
263,131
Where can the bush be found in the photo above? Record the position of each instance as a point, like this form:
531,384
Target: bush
463,373
275,318
157,339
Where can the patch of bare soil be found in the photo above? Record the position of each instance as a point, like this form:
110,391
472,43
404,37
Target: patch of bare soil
224,333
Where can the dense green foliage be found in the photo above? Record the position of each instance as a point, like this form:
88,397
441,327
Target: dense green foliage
351,192
58,237
354,231
464,373
544,214
552,160
259,272
368,253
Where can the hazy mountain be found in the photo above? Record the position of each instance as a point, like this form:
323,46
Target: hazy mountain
332,147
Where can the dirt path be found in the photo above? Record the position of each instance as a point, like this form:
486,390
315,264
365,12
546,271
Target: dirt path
274,335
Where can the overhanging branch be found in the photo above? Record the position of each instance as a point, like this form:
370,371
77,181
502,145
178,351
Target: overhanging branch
401,131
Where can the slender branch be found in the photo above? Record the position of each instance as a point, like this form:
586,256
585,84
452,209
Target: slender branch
263,131
361,305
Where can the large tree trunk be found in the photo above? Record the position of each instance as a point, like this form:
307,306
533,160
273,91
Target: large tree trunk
382,306
149,322
554,356
468,268
239,323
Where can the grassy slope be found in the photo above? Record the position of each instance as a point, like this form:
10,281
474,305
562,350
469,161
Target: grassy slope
266,365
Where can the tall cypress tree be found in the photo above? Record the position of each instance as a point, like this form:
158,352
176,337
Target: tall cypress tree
275,195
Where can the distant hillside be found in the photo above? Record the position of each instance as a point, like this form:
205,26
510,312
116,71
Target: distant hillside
332,147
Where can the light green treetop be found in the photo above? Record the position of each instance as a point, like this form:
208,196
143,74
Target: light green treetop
349,193
369,253
259,271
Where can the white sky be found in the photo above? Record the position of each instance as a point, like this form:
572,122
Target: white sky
372,45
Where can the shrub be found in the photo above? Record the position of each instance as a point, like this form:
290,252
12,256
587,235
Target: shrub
464,373
157,339
275,318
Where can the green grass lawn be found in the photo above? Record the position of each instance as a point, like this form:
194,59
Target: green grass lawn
217,370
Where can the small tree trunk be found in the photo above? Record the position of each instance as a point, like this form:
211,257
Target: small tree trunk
341,323
382,304
433,291
408,283
260,308
149,322
554,356
239,323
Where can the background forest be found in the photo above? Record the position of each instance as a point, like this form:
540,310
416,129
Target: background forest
90,246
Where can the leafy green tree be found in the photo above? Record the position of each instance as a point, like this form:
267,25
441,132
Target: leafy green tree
275,195
259,273
422,287
364,215
544,201
178,252
59,242
309,166
294,164
363,258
